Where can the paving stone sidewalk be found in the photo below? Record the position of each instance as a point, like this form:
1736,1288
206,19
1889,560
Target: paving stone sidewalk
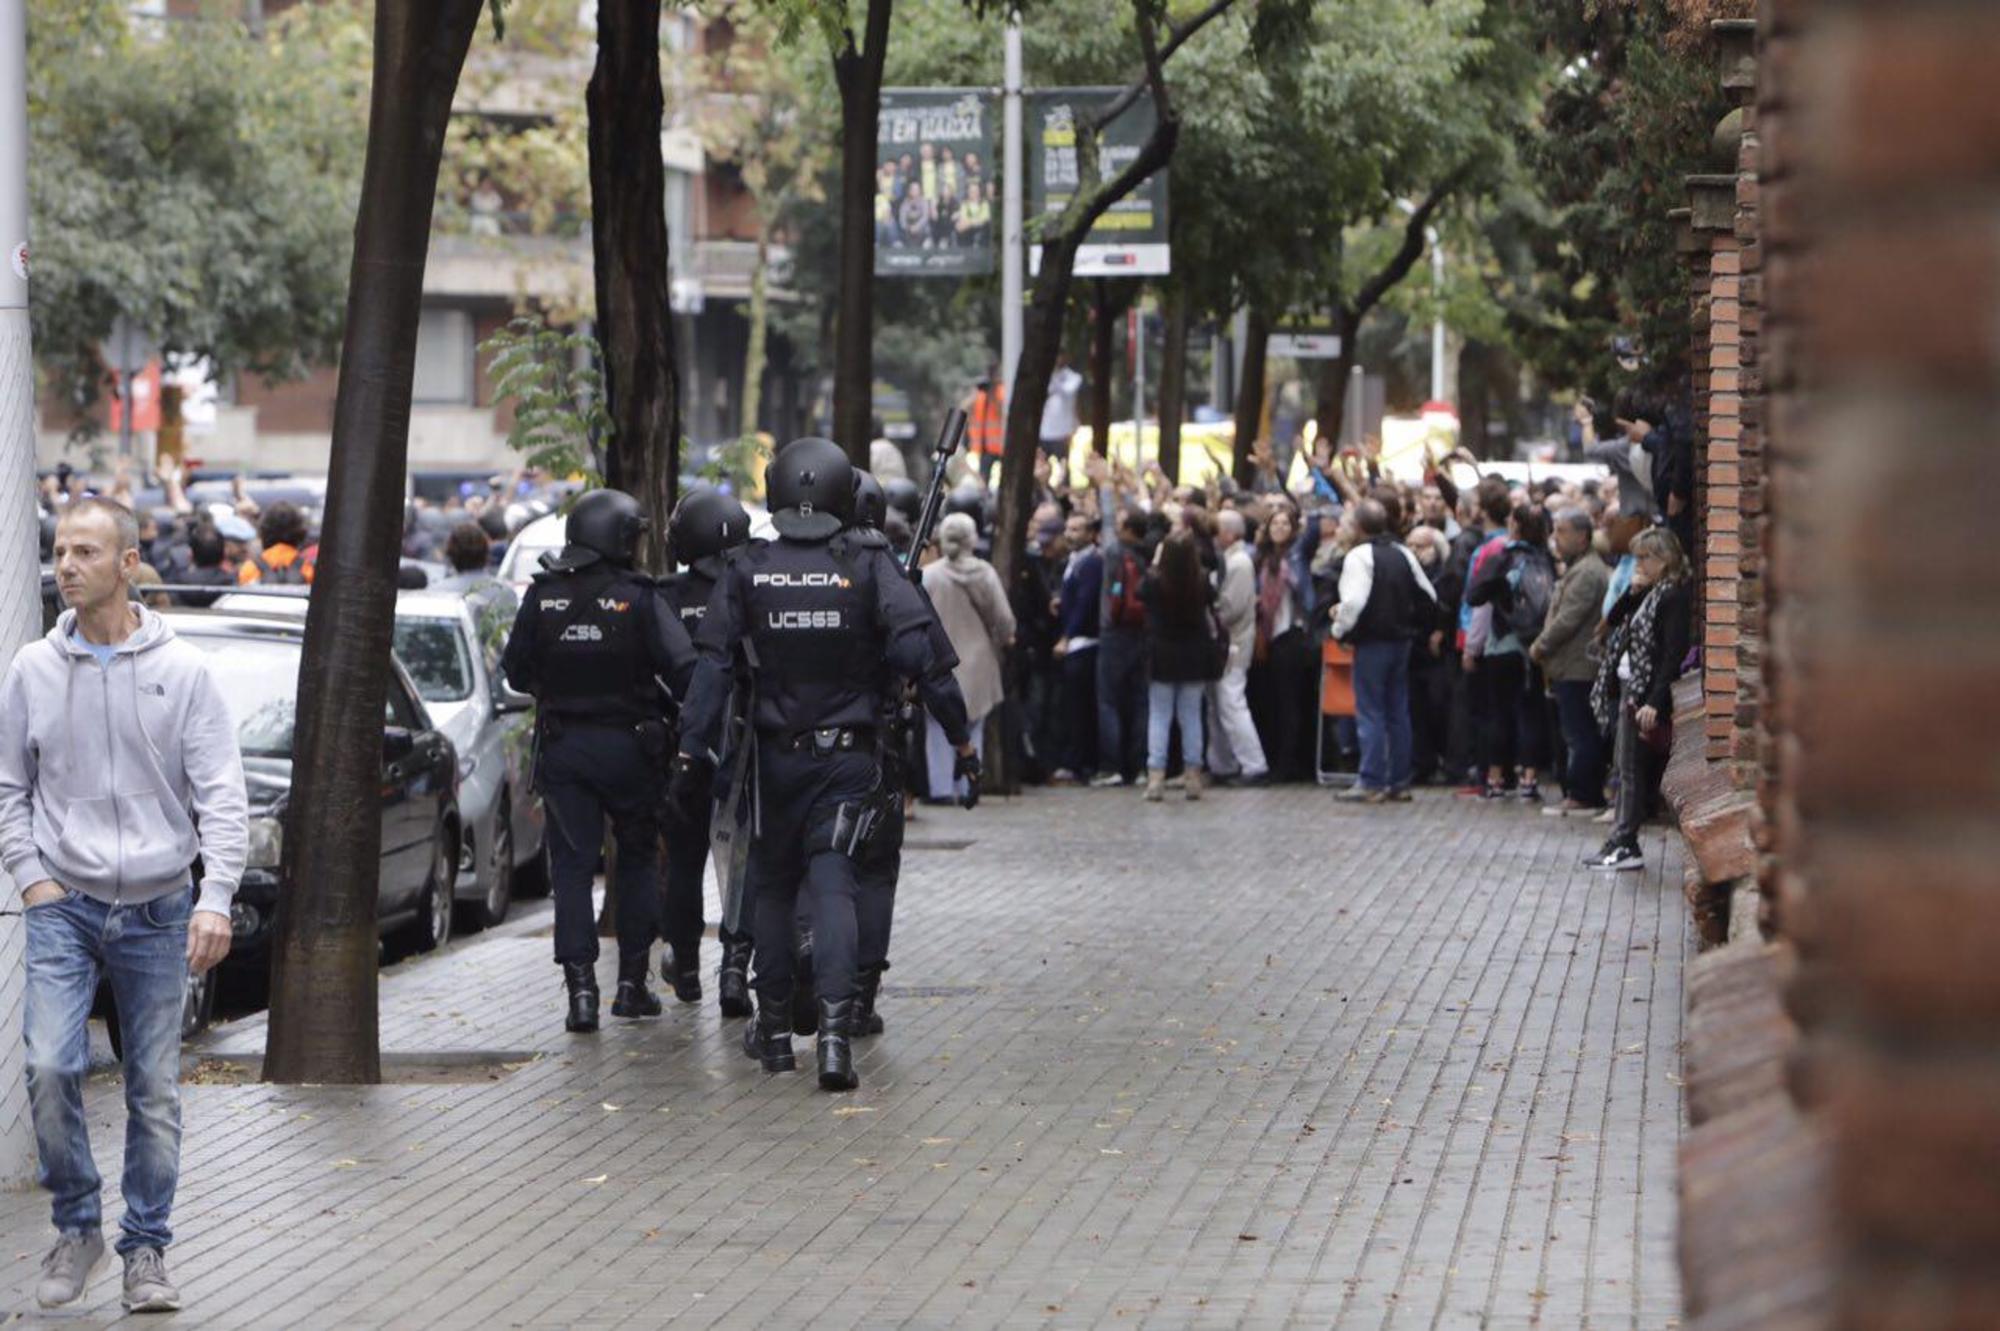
1258,1061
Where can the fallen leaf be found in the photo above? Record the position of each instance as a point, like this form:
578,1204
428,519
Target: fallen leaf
937,1141
610,1108
347,1164
848,1111
1246,1238
596,1179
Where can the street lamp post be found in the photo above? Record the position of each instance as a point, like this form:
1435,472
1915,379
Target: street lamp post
20,545
1012,280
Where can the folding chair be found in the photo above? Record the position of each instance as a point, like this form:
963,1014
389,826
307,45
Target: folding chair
1336,699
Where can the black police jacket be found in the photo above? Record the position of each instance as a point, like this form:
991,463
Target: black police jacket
590,644
687,592
826,625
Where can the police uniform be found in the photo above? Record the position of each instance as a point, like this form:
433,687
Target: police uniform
827,625
592,642
880,866
707,526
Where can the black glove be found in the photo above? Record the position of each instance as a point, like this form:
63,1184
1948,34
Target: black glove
687,782
966,769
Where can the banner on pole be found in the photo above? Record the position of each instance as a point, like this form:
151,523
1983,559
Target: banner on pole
1130,239
1306,335
936,183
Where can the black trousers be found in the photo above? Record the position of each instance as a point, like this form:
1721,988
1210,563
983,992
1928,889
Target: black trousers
875,895
800,795
681,922
1289,690
1507,695
1079,688
589,773
1430,710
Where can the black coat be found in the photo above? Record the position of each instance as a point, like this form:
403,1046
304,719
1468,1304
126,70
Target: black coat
1180,640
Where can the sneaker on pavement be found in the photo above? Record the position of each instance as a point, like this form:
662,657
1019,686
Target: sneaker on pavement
1616,859
1401,795
1062,776
1106,780
1531,792
1362,795
147,1289
75,1261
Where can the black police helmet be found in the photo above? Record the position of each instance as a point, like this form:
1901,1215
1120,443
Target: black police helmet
871,506
968,499
608,523
810,485
904,497
706,522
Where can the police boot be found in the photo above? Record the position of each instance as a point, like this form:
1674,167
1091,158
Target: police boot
682,970
580,978
634,998
733,980
767,1038
866,1020
836,1058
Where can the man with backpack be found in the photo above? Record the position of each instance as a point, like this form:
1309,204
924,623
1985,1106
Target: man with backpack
1386,603
281,531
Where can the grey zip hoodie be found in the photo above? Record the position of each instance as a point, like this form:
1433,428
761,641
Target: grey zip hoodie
106,771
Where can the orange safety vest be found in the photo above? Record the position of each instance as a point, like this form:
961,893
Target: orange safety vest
986,432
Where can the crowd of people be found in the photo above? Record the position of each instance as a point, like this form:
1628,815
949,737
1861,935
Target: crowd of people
190,546
1512,641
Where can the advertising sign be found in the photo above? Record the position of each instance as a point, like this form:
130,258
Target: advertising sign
936,182
1130,239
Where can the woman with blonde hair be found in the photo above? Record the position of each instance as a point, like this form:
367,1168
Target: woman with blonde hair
1645,638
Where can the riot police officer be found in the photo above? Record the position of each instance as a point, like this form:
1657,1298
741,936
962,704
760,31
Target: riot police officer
879,868
705,526
593,642
825,627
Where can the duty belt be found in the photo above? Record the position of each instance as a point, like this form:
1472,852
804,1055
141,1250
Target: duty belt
829,739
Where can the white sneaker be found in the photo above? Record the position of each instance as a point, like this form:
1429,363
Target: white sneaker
75,1261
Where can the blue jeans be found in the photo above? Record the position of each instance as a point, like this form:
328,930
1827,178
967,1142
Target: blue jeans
1121,701
1583,780
1382,713
1166,704
143,950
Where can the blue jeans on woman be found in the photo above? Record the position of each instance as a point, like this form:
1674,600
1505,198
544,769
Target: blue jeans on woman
1165,704
143,951
1382,713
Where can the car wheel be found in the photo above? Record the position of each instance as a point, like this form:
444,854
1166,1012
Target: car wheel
491,909
433,927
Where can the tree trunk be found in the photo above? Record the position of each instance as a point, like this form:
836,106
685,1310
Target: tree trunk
1335,375
760,320
1173,381
1250,396
1474,390
1100,367
628,236
324,1024
1041,341
859,74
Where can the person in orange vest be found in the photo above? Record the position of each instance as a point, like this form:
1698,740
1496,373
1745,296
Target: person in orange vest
282,531
986,424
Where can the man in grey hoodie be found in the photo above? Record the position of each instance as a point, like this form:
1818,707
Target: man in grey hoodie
118,766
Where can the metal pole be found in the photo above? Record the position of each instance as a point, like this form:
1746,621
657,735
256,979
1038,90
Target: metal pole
1138,336
1013,179
1437,324
20,544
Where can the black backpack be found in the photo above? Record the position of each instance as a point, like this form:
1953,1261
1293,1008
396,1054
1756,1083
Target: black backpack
1531,582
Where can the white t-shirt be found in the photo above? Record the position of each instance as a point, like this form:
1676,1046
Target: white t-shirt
1059,409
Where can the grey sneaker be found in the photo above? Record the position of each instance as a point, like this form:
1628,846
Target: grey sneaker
147,1289
75,1261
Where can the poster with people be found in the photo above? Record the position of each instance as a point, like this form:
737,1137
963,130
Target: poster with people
1130,239
935,184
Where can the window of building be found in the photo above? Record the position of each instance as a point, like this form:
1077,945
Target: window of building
444,358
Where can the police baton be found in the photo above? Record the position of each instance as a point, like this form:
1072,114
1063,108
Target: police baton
950,435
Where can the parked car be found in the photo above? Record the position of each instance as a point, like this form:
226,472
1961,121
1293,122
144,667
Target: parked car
543,536
255,660
450,643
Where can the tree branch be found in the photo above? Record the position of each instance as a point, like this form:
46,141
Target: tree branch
1154,78
1410,250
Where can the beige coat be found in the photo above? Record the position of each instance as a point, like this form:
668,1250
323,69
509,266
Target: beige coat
972,606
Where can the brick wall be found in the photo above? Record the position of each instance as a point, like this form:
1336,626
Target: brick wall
1880,194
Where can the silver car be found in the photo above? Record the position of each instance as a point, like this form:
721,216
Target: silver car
450,643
